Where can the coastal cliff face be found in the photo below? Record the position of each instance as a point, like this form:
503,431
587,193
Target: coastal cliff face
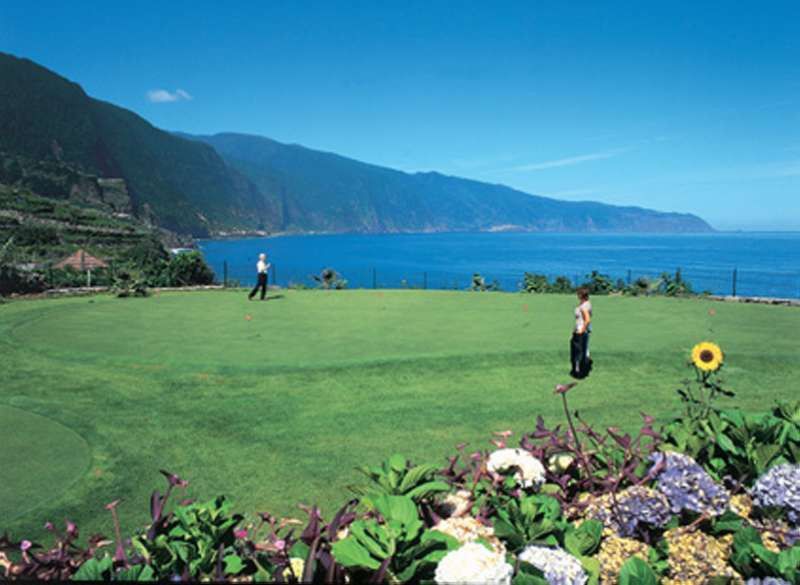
57,142
320,191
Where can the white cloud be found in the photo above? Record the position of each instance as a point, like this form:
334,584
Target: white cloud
565,162
161,96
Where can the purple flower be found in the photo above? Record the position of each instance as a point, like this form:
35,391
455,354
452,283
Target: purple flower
687,486
766,581
780,488
632,511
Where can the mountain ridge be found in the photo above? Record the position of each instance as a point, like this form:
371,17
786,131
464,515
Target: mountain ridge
231,183
268,162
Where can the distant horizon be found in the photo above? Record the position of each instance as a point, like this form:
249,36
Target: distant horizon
612,104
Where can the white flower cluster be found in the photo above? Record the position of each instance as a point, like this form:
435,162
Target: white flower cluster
473,563
530,471
559,567
457,504
467,529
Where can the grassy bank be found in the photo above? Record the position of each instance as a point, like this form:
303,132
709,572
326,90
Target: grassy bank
274,403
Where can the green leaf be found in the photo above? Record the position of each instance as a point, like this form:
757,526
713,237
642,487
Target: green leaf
527,579
399,508
415,476
94,570
550,489
372,538
585,539
724,442
233,564
765,555
529,575
397,462
449,542
637,572
136,573
729,522
592,567
349,553
427,489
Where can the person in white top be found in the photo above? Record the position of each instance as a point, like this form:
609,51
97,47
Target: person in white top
262,266
580,361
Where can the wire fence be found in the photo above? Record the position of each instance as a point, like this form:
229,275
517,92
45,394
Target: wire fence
733,281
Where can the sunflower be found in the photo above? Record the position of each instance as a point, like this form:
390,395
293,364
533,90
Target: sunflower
707,356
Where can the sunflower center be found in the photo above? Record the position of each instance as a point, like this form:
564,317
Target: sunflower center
707,356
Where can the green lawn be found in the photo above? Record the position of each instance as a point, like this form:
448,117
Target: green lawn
279,407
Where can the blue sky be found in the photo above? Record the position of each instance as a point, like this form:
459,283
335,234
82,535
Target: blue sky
686,106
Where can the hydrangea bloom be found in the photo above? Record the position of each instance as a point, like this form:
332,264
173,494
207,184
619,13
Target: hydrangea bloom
779,487
630,511
766,581
457,504
530,471
614,552
473,563
559,567
688,487
696,556
467,529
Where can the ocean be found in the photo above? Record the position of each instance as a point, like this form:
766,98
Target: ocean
756,264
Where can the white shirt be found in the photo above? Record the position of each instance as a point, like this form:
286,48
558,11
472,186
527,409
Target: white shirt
262,267
579,321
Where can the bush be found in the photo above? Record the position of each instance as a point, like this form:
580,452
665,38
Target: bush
189,269
479,284
535,283
538,283
329,279
598,284
130,283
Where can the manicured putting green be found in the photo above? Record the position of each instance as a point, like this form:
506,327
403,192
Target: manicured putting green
39,458
274,403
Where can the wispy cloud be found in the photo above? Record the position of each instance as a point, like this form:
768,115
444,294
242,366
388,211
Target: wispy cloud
162,96
564,162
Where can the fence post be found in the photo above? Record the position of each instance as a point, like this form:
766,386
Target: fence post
425,281
225,274
629,277
374,279
734,281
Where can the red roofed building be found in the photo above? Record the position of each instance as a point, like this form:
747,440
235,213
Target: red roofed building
80,260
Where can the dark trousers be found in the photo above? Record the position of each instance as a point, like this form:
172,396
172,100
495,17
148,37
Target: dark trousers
261,284
580,362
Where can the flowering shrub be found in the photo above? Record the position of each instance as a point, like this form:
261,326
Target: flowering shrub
559,567
529,471
713,496
687,486
635,511
779,488
474,563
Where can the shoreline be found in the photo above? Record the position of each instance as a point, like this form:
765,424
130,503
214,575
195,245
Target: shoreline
283,234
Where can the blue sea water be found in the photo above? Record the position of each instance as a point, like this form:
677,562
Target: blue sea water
766,264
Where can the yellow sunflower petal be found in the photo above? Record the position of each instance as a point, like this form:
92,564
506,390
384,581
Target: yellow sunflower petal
707,356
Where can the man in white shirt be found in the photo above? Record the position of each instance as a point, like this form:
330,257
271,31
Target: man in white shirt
262,267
